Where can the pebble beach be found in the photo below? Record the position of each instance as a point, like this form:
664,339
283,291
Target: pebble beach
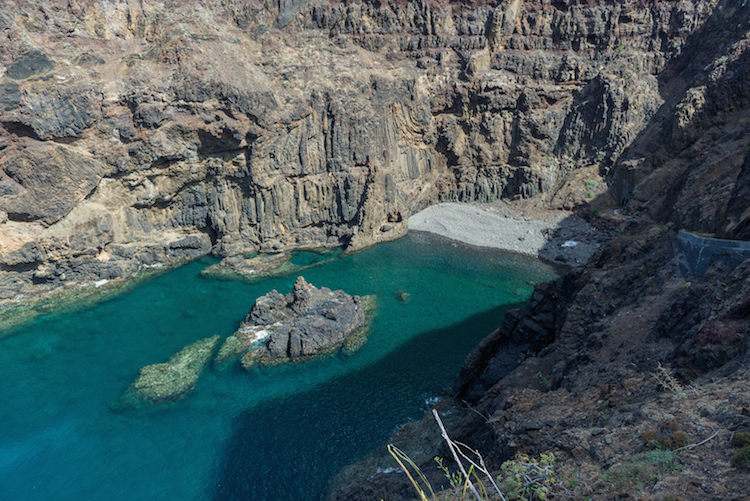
558,237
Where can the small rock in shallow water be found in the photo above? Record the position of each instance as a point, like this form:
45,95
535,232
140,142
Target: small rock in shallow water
168,382
250,269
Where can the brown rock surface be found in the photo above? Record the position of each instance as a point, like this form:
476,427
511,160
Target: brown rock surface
269,126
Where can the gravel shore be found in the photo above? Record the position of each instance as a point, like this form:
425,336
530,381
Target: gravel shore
558,237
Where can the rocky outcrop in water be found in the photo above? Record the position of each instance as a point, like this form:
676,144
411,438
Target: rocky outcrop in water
262,266
250,269
306,322
164,383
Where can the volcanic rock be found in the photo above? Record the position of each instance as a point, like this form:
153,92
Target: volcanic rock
305,322
249,269
328,124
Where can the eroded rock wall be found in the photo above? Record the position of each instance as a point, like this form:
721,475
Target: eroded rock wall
136,133
689,164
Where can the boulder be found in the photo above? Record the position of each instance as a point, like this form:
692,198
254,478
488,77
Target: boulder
306,322
160,384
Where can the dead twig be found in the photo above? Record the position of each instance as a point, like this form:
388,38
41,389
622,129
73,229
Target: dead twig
455,448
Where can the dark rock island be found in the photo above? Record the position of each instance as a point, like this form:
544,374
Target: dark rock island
306,322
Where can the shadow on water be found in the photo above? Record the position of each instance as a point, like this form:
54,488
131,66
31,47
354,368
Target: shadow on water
324,428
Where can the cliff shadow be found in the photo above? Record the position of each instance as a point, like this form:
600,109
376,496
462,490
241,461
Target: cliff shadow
289,448
685,165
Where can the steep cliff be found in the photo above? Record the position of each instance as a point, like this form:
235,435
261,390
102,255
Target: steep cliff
135,133
633,355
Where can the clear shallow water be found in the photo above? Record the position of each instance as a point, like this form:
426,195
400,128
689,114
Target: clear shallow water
273,434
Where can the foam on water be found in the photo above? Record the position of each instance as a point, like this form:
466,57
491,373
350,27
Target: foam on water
275,434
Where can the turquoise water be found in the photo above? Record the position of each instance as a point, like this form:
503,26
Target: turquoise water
273,434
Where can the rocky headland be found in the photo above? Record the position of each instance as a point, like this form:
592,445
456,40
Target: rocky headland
136,133
306,322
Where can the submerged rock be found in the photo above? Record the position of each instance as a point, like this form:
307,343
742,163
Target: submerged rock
163,383
252,269
265,265
305,322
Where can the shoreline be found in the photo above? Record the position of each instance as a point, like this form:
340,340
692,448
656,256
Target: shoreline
558,237
544,234
21,309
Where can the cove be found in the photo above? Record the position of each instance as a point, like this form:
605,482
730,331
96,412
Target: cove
272,434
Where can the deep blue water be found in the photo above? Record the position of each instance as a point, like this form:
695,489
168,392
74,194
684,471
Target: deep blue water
273,434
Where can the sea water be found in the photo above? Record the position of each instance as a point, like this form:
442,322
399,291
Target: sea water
271,434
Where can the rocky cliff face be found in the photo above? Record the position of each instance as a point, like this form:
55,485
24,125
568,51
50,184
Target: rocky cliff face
135,133
689,164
